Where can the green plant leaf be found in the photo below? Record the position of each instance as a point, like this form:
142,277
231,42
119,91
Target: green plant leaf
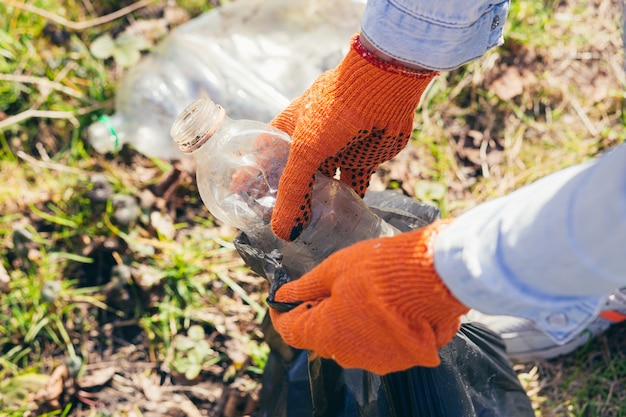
196,333
180,364
204,349
193,370
132,41
126,57
125,49
195,356
128,49
103,46
183,343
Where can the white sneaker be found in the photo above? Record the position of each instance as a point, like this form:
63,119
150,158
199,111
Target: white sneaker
525,342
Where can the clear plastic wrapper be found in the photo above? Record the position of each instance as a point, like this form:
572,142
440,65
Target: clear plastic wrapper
251,56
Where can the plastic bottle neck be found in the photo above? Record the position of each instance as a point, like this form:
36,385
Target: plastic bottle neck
196,124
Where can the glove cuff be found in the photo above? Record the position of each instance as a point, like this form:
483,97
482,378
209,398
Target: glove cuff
379,90
392,66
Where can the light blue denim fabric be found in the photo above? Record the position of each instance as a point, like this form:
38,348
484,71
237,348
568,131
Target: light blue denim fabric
434,34
550,251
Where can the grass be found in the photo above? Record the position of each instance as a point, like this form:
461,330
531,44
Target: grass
82,278
63,248
571,106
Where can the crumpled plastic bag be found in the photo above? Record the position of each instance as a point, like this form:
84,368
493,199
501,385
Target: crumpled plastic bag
250,56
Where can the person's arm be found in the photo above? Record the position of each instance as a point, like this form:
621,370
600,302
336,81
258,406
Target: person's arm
549,252
434,34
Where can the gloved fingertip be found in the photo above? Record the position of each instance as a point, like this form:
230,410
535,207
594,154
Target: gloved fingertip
296,231
280,231
286,231
431,361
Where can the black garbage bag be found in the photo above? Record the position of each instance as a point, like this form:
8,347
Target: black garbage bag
474,379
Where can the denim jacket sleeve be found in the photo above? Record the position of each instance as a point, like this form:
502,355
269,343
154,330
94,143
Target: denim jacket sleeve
550,251
434,34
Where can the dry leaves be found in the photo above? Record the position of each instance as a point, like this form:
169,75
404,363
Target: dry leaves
508,84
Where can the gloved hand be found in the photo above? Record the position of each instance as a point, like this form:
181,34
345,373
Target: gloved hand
353,117
378,305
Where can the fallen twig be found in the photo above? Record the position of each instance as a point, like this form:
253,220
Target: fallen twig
49,165
59,77
43,82
593,131
79,25
27,114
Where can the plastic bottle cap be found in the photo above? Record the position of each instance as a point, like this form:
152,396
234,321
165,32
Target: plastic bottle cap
196,124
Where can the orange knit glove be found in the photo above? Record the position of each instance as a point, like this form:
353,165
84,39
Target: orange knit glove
378,305
353,117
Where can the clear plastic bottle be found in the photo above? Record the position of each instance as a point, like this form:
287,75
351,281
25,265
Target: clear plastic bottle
239,163
253,56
